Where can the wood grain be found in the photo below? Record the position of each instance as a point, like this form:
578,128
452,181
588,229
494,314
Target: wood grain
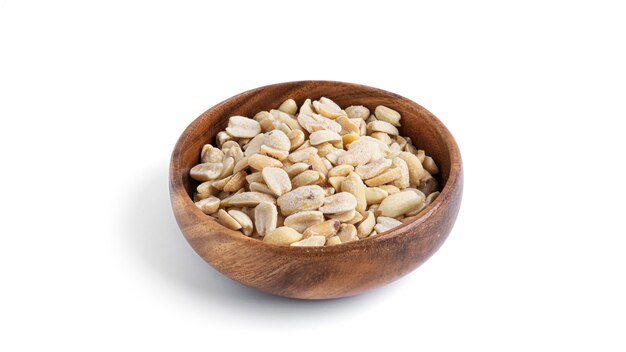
320,272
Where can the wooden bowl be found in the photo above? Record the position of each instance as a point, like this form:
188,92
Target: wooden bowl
318,272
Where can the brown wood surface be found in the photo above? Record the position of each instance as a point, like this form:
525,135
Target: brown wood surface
318,272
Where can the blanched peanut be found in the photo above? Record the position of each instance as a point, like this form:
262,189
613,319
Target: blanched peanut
367,225
254,145
242,127
265,218
260,187
301,221
282,235
319,137
357,112
340,170
308,177
315,122
296,138
415,167
313,241
247,199
332,241
384,223
302,155
357,189
348,126
208,205
236,182
402,181
343,217
399,204
225,219
384,178
431,197
277,140
382,126
347,233
336,182
375,195
262,115
301,198
259,162
206,188
289,106
430,166
243,219
297,168
386,114
210,154
206,171
274,153
327,108
373,169
254,177
338,203
327,229
276,180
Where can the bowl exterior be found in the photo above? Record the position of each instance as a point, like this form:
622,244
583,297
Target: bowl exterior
318,272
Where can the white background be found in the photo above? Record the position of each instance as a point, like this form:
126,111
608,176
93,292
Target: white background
94,96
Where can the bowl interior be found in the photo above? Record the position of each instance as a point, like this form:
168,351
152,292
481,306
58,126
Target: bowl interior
424,129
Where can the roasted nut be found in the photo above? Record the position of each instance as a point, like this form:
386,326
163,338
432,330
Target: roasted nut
313,241
282,235
297,168
384,223
431,197
236,182
327,108
210,154
259,162
255,144
414,165
347,233
242,127
367,225
277,140
375,195
399,204
386,114
340,170
265,218
382,126
331,241
338,203
247,199
289,106
208,205
206,171
430,166
301,198
244,221
308,177
260,187
296,138
322,136
327,229
373,169
302,220
276,180
402,181
384,178
357,112
227,220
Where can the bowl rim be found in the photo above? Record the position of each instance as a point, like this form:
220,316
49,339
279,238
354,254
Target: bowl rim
178,192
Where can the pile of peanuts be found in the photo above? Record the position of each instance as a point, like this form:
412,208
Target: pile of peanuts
315,176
